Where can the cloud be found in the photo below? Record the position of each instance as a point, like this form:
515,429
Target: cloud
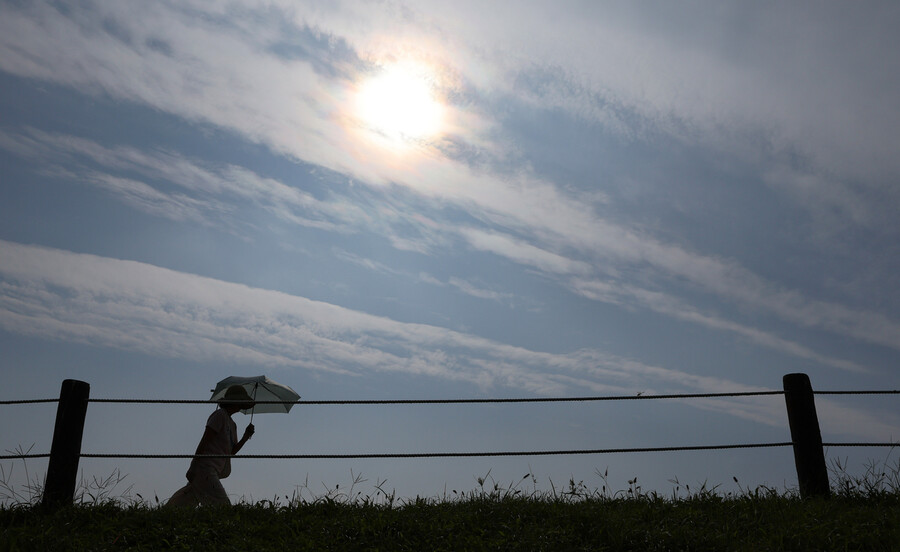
209,194
799,77
145,198
522,252
460,284
837,205
619,294
213,194
58,295
467,287
765,80
470,289
222,70
717,75
366,263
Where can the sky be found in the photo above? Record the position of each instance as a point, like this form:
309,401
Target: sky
427,200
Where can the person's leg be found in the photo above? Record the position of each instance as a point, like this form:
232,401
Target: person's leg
185,496
209,489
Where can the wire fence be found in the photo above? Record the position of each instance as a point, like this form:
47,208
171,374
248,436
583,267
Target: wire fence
467,401
473,401
390,455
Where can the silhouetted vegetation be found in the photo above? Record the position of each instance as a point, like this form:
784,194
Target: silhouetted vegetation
863,514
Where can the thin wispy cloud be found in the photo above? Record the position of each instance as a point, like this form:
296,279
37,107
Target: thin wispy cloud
207,194
574,230
668,84
615,293
136,306
148,199
471,289
139,307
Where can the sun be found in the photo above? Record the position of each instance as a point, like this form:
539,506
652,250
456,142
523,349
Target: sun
400,103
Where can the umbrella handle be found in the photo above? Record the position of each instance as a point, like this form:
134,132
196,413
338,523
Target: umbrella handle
253,410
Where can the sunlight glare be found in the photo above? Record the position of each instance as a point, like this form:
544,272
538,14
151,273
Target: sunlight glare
400,104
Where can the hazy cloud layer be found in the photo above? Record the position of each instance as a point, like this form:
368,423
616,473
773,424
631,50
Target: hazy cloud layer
212,196
139,307
228,74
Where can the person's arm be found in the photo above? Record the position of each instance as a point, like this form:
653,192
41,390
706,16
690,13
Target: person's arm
247,434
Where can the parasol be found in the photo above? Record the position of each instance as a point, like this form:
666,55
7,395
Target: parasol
260,388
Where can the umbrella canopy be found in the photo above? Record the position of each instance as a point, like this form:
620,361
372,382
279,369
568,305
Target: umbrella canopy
260,388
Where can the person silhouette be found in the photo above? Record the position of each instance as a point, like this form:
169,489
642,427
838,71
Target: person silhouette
220,437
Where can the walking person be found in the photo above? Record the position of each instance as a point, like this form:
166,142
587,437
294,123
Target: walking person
220,437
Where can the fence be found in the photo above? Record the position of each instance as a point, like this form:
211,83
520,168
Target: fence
806,439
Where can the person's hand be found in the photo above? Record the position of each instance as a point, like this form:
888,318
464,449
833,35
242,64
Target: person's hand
249,431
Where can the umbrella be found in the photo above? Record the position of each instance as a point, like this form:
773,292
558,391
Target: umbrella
260,388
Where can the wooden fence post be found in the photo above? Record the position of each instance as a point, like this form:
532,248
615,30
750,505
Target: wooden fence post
809,455
65,450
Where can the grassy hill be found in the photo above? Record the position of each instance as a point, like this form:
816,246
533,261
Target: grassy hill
863,513
476,522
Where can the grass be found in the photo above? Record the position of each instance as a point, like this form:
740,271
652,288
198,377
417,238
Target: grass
472,523
862,514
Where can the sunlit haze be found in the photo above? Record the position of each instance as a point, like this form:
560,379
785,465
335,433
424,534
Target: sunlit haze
399,102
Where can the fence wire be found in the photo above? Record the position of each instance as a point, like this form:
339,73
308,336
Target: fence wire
448,454
388,455
472,401
877,392
30,401
462,401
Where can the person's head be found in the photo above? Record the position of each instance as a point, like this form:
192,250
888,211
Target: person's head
236,398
